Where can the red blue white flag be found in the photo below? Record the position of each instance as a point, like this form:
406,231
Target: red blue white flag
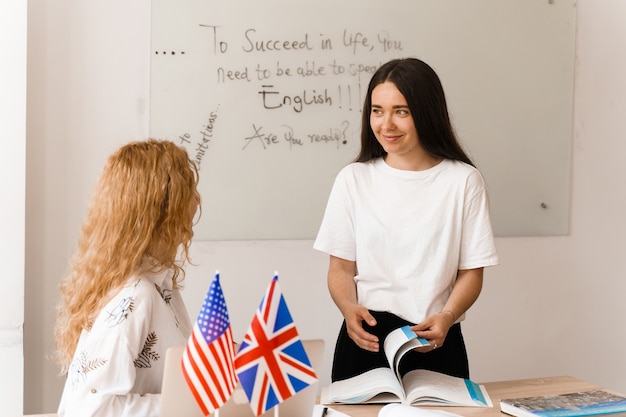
208,359
271,363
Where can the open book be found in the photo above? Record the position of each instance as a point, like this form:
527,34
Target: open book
417,387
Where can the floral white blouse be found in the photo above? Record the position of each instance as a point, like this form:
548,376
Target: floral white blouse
117,368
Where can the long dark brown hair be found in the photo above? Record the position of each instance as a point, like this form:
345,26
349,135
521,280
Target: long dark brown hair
422,89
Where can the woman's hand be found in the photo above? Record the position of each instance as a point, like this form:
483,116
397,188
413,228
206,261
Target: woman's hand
355,315
343,292
465,291
434,329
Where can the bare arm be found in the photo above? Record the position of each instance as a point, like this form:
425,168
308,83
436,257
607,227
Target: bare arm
342,289
465,292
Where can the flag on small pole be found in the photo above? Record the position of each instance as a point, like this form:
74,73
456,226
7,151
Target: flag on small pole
271,363
208,359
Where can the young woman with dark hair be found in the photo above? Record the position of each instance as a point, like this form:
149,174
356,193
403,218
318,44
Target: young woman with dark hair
407,228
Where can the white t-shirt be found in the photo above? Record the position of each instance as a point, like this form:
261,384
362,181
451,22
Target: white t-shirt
409,232
117,369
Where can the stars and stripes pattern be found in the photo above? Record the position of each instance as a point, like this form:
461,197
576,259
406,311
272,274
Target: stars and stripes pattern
208,359
271,363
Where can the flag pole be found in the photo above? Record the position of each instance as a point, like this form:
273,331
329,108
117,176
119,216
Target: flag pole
276,411
217,411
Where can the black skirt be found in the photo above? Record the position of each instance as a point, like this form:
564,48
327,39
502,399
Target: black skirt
350,360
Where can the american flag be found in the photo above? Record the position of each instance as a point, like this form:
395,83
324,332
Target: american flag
271,363
209,355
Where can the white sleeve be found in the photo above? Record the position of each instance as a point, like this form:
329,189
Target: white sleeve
336,233
478,245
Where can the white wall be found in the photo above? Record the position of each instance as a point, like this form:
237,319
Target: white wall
553,307
88,81
12,215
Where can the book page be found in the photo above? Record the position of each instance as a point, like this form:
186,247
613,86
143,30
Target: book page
425,387
377,385
398,342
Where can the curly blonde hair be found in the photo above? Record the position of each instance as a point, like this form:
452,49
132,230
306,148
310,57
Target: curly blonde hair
143,204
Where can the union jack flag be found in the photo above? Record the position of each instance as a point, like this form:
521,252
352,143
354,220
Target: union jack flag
271,363
209,355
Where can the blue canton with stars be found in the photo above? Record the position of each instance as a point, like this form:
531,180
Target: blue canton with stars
213,317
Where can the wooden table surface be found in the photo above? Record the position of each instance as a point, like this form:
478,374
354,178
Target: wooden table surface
496,391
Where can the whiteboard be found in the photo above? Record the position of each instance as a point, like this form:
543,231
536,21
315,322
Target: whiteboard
266,96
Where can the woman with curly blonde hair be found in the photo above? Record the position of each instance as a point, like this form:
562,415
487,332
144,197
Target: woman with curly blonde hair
120,306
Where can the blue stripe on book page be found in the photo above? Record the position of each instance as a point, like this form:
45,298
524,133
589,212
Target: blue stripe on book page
475,392
408,332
